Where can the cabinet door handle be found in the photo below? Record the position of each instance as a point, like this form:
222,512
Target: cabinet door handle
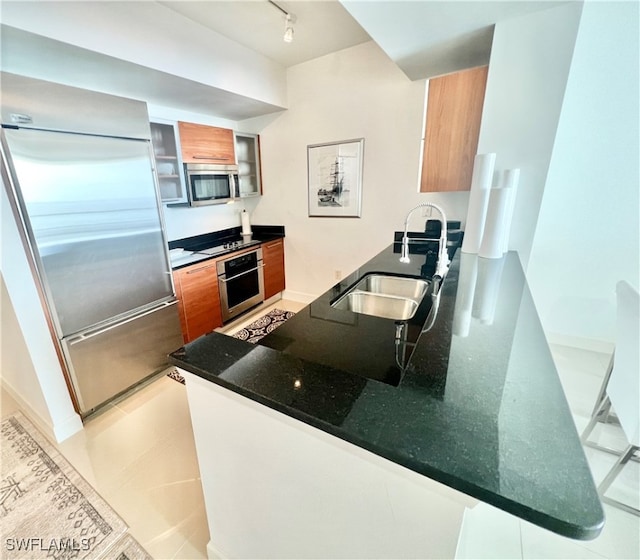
276,244
198,156
201,268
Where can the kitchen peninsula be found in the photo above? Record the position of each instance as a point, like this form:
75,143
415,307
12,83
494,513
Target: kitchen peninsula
346,435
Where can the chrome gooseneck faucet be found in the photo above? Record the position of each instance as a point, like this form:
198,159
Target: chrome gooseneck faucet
443,257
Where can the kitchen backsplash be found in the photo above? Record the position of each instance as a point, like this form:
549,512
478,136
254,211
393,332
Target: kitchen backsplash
182,222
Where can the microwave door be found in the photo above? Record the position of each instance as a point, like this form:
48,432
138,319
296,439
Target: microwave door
210,187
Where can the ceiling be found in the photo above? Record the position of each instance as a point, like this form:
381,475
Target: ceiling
424,38
321,26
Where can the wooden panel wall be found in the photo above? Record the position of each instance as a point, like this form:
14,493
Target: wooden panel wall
454,112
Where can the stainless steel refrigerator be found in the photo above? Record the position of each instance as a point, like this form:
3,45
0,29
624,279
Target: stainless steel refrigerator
78,169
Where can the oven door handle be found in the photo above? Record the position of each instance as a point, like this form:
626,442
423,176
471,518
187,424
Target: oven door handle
225,280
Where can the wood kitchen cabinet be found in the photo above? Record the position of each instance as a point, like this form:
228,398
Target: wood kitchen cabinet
273,260
206,144
198,299
454,112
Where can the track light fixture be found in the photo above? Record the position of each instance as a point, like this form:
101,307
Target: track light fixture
289,20
288,29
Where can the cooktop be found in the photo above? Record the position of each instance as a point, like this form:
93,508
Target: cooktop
228,245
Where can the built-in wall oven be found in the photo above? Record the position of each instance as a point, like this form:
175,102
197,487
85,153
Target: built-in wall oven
240,282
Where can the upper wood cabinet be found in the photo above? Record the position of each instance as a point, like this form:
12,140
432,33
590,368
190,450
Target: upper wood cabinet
206,144
454,112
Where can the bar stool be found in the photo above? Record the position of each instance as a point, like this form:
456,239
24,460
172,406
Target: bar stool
622,388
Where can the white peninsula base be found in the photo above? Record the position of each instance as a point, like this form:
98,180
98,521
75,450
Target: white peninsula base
275,487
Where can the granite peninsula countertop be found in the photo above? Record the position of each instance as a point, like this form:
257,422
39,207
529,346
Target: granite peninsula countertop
474,402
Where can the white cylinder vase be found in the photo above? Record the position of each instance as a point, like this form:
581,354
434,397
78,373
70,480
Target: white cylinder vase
478,201
492,243
510,180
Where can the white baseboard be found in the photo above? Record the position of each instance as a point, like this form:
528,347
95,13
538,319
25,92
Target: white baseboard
68,427
214,553
271,300
581,342
58,432
298,296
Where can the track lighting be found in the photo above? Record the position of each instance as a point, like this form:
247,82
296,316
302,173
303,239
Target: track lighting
288,29
289,20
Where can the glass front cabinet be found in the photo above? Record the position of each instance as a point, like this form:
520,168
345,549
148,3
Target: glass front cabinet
168,160
248,157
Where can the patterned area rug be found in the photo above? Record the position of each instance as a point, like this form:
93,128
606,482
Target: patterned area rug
127,548
47,510
252,333
263,326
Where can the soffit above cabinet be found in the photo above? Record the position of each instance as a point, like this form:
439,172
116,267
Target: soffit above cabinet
428,38
39,57
228,58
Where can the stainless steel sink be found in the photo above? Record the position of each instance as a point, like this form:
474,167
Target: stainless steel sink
391,297
412,288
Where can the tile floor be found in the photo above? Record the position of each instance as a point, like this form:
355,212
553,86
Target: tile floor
139,454
494,534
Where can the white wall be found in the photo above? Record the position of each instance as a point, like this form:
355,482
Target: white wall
183,222
530,61
29,366
588,230
16,367
354,93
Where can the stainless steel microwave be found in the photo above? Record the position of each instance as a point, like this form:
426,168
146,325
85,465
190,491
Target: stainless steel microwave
209,183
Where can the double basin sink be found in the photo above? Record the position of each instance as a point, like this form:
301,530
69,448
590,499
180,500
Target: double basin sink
382,295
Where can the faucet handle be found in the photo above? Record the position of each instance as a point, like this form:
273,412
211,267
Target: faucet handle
404,255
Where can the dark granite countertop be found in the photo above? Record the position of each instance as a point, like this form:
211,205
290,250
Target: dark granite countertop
184,252
477,405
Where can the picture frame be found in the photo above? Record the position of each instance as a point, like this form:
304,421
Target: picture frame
335,178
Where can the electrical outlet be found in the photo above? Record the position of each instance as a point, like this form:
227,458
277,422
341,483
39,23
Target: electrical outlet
338,274
426,211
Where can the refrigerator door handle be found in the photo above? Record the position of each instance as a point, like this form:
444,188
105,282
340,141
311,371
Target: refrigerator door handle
85,336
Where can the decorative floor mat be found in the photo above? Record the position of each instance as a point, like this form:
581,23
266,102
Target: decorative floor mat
263,326
173,374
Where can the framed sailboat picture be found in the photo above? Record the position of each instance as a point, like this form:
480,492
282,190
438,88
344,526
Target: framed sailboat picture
335,179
